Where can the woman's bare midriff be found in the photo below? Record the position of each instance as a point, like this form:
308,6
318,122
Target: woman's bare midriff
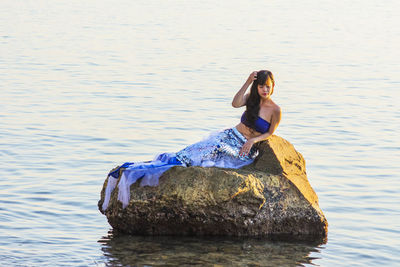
246,131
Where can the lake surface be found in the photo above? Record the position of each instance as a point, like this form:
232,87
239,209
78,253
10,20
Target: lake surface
88,85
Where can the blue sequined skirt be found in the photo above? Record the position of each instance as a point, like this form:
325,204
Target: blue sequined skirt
218,150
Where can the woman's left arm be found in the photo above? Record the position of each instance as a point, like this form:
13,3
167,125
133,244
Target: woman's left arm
275,120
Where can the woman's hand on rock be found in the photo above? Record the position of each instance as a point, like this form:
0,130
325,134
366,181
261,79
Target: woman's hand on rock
246,147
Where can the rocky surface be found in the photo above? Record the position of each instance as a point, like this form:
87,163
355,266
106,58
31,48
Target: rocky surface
271,197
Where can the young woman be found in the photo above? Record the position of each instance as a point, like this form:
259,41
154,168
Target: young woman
231,148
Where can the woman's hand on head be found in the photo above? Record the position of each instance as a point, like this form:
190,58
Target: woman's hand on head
245,150
252,77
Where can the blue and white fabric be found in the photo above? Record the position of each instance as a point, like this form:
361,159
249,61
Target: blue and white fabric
218,150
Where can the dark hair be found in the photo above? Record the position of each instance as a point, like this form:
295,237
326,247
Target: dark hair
253,102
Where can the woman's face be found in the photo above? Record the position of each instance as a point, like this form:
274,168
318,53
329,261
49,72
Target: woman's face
265,91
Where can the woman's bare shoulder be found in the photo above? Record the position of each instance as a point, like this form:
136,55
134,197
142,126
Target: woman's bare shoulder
276,108
276,111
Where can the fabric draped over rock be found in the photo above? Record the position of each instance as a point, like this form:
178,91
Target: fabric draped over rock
220,149
271,197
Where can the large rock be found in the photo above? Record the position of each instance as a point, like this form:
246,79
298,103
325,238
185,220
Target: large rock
271,197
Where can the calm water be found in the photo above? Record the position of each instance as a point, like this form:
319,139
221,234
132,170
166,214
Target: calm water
88,85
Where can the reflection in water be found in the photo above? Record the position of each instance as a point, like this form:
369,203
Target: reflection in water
128,250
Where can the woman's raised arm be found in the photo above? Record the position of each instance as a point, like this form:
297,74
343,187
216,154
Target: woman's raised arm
240,98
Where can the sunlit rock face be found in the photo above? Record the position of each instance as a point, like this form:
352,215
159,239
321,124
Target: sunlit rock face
271,198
